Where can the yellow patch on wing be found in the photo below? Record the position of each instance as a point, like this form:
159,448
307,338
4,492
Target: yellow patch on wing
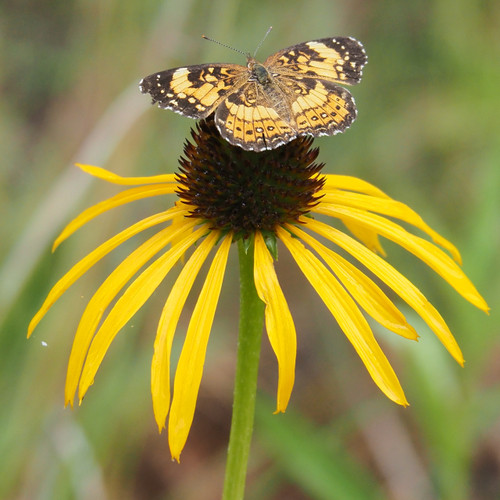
323,51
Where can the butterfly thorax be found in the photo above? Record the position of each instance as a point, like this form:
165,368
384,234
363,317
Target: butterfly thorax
270,93
258,72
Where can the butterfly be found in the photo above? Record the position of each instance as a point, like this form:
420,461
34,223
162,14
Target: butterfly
294,92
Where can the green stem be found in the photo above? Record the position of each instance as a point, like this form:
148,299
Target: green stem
245,387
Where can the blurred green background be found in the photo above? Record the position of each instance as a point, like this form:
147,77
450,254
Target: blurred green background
427,133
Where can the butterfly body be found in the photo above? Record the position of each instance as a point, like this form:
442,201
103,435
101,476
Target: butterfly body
258,72
294,92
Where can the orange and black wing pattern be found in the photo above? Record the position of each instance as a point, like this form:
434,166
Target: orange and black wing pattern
194,91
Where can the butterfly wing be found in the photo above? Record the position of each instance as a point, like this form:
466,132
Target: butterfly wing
251,119
309,74
194,91
318,107
265,117
339,59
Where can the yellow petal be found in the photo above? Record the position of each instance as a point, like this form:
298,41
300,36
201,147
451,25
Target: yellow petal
401,285
335,182
127,305
190,366
93,257
347,314
366,293
108,176
160,366
279,323
113,202
179,221
429,253
367,236
102,298
391,208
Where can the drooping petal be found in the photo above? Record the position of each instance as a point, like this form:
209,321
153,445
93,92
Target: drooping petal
279,322
401,285
101,299
106,175
368,236
190,366
336,182
429,253
128,304
366,293
160,365
178,220
93,257
349,317
391,208
115,201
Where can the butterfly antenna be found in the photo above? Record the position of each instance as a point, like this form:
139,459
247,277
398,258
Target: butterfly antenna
224,45
262,41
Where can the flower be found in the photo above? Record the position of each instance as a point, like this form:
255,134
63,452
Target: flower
227,194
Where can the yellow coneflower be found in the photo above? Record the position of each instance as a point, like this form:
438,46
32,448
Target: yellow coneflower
225,195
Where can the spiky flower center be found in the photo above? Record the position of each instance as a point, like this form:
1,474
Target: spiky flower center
243,191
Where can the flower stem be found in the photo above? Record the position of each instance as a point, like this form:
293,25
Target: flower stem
245,387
